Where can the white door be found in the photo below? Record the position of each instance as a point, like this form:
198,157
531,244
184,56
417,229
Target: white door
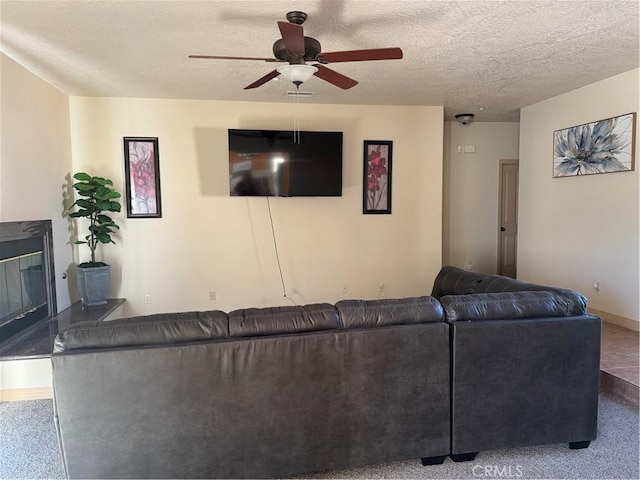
508,224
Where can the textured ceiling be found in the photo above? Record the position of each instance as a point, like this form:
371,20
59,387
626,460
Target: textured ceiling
501,55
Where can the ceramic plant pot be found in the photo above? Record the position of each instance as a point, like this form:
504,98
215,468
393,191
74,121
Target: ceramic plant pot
94,284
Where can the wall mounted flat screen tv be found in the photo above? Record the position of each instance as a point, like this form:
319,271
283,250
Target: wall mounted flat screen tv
270,163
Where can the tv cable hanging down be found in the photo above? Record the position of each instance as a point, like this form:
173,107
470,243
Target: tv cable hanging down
275,246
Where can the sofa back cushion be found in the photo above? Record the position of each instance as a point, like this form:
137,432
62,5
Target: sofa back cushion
498,284
505,306
277,320
157,329
455,281
380,313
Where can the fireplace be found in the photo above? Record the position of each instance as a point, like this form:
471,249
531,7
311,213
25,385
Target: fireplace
27,286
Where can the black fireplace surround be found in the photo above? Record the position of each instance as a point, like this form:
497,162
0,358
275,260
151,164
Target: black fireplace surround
27,286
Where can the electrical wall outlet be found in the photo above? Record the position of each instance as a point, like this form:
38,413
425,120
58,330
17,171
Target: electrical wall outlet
147,299
382,288
345,288
596,287
212,295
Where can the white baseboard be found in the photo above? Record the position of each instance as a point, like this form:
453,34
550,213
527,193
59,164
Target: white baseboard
616,319
16,394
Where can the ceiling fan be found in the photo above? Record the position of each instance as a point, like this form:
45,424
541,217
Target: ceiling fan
296,49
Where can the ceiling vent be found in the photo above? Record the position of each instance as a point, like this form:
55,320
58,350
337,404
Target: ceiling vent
298,93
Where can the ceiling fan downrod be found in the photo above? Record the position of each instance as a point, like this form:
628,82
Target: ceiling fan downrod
296,17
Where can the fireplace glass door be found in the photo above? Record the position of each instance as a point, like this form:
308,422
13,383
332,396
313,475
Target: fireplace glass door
23,295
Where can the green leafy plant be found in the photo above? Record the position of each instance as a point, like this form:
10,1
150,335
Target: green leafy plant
97,196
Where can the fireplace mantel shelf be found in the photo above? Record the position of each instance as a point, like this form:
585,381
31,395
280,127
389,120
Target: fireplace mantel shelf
37,340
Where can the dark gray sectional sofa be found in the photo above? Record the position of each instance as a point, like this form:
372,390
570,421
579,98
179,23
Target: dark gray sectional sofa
485,362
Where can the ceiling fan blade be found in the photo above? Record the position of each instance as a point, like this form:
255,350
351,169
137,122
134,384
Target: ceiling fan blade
217,57
334,77
263,80
361,55
293,36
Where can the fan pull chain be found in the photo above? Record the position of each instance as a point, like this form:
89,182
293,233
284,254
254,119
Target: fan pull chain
296,131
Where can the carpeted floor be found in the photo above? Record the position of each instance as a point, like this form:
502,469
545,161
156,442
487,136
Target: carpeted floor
29,449
28,441
613,455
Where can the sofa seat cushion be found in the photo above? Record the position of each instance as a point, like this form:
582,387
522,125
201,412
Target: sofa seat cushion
380,313
278,320
157,329
505,306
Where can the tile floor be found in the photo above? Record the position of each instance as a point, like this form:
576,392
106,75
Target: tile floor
620,361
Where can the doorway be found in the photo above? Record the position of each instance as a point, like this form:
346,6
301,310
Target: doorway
508,219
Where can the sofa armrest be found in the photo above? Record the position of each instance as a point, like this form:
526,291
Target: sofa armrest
505,306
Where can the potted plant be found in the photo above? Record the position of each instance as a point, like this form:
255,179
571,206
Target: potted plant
97,196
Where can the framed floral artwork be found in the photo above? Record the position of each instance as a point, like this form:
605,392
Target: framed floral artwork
142,173
604,146
376,187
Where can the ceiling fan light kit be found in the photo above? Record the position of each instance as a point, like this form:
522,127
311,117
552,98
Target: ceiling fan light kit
296,49
297,74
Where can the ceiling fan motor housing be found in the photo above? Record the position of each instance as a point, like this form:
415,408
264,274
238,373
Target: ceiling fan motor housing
312,49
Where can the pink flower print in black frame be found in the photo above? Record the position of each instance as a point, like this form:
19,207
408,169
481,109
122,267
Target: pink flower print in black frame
142,172
376,186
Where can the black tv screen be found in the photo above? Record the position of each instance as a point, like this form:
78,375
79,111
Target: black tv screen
270,163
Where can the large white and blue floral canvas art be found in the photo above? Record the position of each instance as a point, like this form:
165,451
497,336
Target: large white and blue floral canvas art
604,146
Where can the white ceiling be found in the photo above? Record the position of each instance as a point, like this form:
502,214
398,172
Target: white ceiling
501,55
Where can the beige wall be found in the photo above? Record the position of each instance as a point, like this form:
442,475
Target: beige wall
25,374
209,241
470,188
576,230
35,158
